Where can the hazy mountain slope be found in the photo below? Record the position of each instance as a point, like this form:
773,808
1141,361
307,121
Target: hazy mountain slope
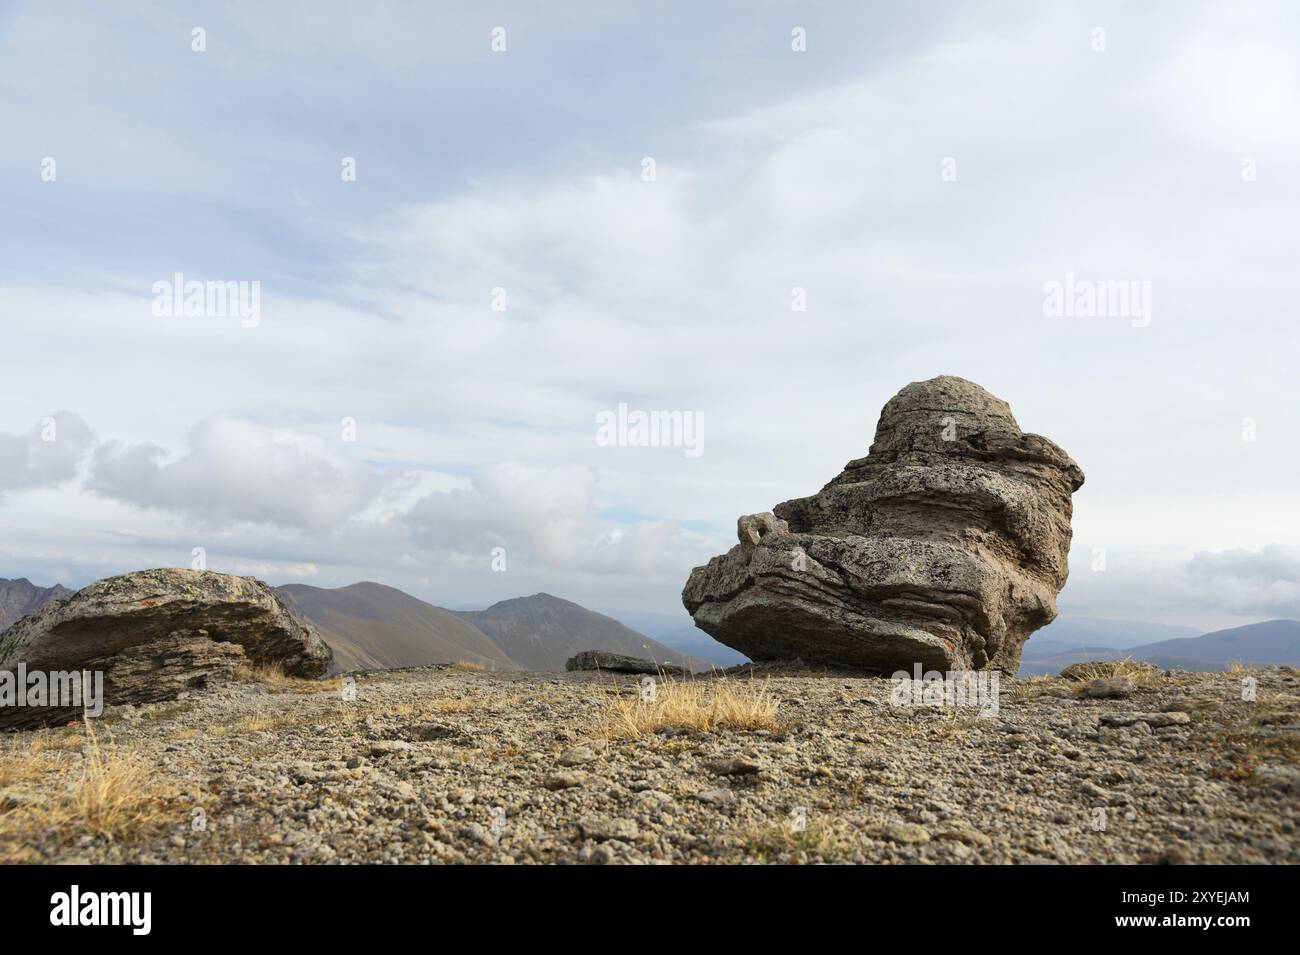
541,632
20,597
679,632
1273,641
371,626
1042,649
1073,631
695,642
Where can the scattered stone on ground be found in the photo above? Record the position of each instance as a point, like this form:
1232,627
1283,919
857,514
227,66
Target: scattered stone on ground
1182,771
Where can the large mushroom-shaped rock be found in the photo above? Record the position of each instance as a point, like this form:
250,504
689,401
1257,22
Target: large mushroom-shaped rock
157,633
945,546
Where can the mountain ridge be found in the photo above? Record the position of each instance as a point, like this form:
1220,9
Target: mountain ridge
1268,642
20,597
541,631
373,626
1264,643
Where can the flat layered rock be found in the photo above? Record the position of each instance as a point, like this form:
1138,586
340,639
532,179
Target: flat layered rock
945,546
157,633
619,663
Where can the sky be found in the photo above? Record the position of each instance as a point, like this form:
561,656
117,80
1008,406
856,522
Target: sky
474,229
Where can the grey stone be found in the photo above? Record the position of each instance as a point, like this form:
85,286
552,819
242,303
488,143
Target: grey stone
752,528
567,780
619,663
716,797
387,747
734,767
906,833
603,830
577,756
1282,778
1109,688
1174,718
945,546
158,634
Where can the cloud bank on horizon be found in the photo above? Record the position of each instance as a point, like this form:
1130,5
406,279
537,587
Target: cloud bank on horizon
472,234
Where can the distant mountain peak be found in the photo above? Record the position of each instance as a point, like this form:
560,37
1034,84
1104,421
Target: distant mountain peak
541,598
374,626
20,597
541,632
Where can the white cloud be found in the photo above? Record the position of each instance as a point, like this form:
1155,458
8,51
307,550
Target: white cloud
236,471
673,294
1206,589
1254,583
273,569
545,516
46,454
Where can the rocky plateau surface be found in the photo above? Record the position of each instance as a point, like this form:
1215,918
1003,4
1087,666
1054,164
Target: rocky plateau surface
456,765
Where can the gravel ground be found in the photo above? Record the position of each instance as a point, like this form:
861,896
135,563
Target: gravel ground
448,765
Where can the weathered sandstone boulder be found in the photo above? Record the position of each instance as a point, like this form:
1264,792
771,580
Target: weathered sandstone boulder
157,633
945,546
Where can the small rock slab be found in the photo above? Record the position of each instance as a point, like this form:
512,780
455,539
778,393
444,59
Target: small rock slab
577,756
1154,720
619,663
1109,688
716,797
734,767
566,780
602,830
905,833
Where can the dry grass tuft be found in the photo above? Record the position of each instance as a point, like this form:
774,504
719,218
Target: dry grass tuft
957,726
1269,735
468,666
1029,688
260,724
274,678
447,706
701,705
117,795
62,738
272,720
29,766
168,712
50,793
783,841
1142,674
